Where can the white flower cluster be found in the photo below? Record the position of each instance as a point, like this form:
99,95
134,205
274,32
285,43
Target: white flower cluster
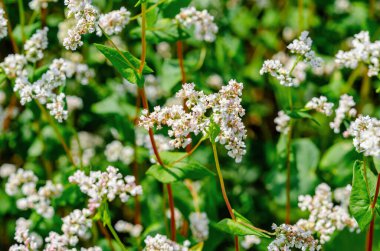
3,24
34,47
289,237
162,143
105,185
126,227
282,122
249,241
153,89
177,216
26,241
366,133
302,48
40,4
199,225
362,51
162,243
204,26
6,170
325,218
84,150
24,183
75,225
320,105
13,66
345,108
115,151
86,16
113,22
226,112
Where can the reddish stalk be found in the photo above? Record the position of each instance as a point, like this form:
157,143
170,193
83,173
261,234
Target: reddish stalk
145,105
372,224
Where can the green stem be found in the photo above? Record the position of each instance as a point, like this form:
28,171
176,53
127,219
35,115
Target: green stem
33,17
114,234
148,10
300,15
187,154
22,18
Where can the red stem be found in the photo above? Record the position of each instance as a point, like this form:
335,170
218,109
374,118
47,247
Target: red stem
372,224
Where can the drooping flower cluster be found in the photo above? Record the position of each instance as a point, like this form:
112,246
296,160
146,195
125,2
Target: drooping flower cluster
126,227
199,225
362,51
289,237
113,22
115,151
105,185
325,217
40,4
345,108
300,47
162,243
84,150
282,122
320,105
366,135
3,24
25,239
35,45
226,112
24,183
249,241
203,23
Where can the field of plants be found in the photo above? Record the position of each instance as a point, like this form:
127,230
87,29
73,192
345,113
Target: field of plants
179,125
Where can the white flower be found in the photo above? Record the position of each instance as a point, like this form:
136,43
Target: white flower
126,227
27,241
282,122
7,169
199,225
74,103
115,151
35,45
76,224
105,185
113,22
249,241
289,237
362,51
320,105
215,81
275,69
366,135
202,21
226,112
13,66
57,107
162,243
325,218
86,151
345,108
3,24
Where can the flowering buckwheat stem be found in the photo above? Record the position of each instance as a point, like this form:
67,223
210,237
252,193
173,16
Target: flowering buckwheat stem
56,130
225,197
372,224
144,101
114,234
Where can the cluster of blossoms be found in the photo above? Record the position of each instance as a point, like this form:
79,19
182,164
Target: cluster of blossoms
87,19
226,112
366,135
24,183
105,185
83,147
345,108
325,217
126,227
6,170
363,51
40,4
115,151
282,122
288,237
320,105
26,240
203,23
199,225
162,243
35,45
249,241
3,24
300,47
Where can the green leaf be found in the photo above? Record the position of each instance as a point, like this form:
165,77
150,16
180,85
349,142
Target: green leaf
172,7
179,171
301,114
360,200
238,228
126,64
198,247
